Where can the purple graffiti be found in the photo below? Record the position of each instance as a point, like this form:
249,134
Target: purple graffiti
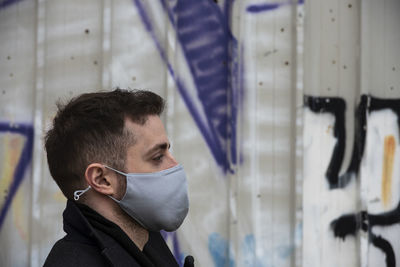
179,257
22,165
269,6
262,8
210,51
6,3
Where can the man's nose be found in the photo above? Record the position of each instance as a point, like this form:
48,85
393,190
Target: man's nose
172,160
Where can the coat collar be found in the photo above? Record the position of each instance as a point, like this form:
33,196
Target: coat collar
78,229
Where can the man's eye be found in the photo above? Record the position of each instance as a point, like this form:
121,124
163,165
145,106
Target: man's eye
158,158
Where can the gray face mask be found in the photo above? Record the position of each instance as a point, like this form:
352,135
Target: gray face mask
158,201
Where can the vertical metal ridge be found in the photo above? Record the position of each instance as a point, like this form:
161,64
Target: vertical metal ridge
38,155
106,77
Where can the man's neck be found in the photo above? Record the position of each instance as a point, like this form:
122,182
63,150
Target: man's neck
112,212
132,229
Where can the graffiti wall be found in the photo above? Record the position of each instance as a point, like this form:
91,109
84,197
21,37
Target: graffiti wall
350,190
284,114
356,213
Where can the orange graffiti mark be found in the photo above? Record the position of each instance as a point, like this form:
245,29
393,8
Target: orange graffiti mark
12,147
329,129
387,169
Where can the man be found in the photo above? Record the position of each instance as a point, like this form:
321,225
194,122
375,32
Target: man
109,154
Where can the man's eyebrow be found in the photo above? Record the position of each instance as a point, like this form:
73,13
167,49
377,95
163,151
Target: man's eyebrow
162,146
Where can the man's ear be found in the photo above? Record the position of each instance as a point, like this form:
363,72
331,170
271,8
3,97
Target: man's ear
101,179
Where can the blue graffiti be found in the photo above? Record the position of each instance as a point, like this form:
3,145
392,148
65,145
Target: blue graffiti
220,251
22,165
249,251
262,7
211,52
268,6
6,3
222,255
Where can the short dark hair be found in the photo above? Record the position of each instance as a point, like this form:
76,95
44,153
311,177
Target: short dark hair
90,128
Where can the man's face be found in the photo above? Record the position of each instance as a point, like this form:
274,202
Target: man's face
150,153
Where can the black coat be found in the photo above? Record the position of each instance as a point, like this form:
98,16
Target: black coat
92,240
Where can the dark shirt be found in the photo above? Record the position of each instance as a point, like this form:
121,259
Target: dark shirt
92,240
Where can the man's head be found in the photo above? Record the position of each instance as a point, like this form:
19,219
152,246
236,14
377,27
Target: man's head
99,128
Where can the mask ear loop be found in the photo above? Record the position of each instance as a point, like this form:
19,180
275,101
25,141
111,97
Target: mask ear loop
78,193
117,171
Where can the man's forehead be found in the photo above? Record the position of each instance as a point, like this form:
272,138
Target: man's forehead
148,134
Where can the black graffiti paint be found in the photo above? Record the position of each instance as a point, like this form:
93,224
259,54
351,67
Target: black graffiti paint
337,107
386,248
350,224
